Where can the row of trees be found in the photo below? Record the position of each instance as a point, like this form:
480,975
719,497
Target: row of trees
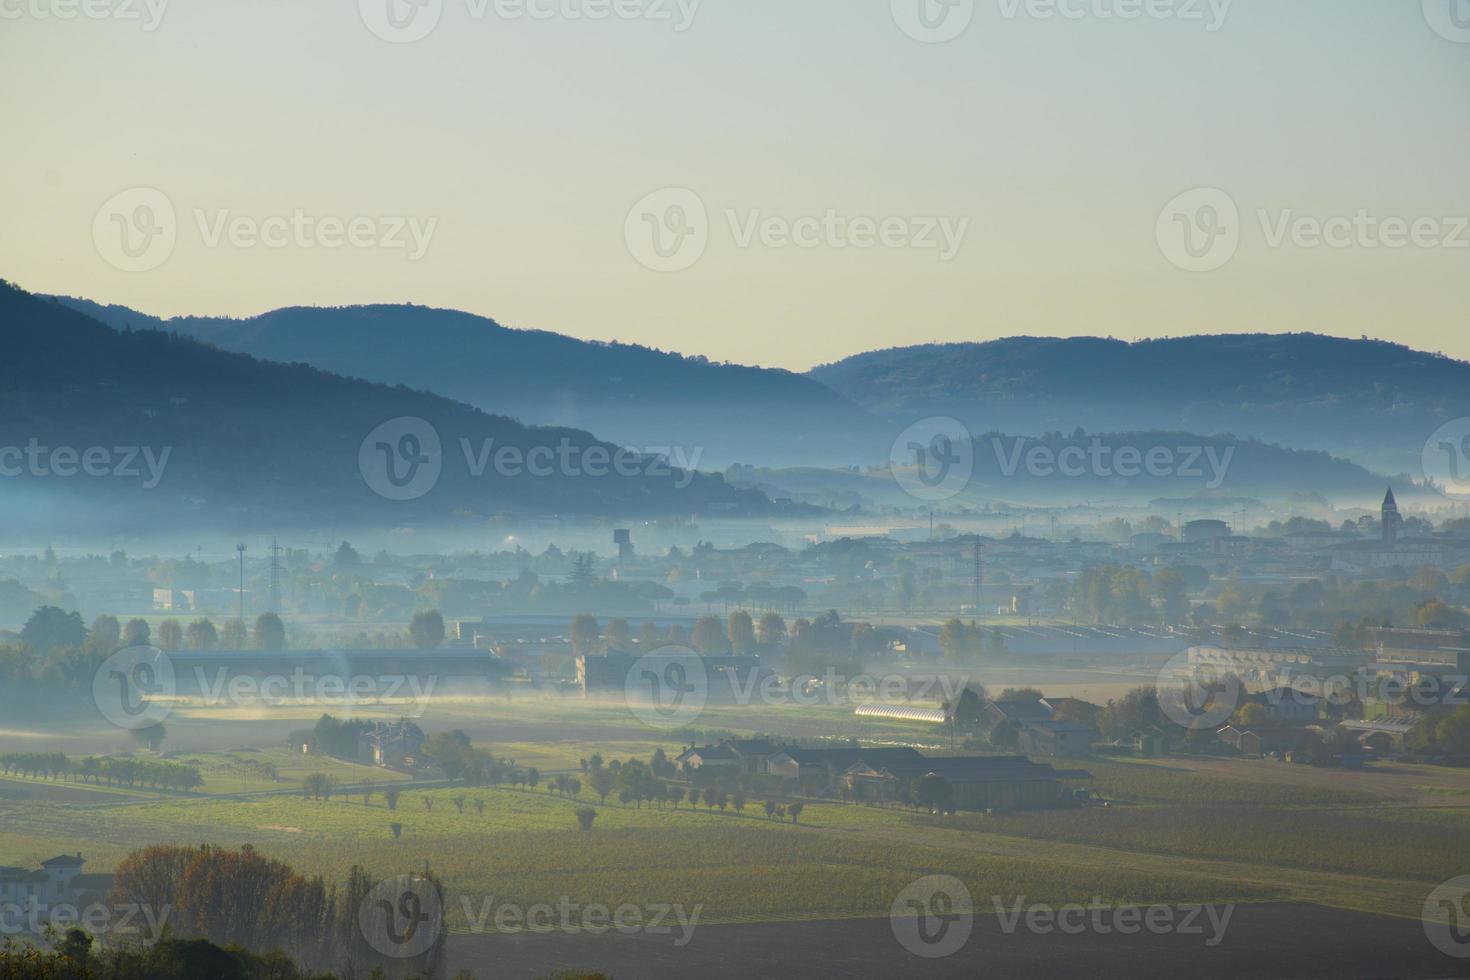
116,771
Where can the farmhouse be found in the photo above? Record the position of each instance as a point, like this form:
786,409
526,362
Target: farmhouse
58,885
712,756
392,744
1265,739
1056,738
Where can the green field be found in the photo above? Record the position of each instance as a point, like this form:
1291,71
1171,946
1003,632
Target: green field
1179,830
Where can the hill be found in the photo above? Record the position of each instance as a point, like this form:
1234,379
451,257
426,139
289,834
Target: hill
634,395
101,426
1374,401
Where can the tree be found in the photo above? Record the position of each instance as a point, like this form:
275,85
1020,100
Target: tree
170,635
601,782
649,636
795,811
106,635
585,817
150,735
346,556
1251,714
709,637
619,635
270,632
934,793
427,629
233,635
583,577
584,634
771,632
742,633
50,628
201,635
136,633
1173,595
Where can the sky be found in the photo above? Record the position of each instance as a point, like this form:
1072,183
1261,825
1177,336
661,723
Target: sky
774,182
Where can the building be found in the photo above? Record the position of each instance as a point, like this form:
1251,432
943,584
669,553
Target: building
57,889
903,712
610,673
1001,721
391,744
825,766
1265,739
710,756
1422,650
1275,665
1289,706
1390,520
1051,737
1204,532
1380,736
977,782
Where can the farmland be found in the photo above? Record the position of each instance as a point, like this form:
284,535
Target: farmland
1179,830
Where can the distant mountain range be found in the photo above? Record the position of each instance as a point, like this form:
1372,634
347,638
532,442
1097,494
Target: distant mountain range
102,425
1373,401
1287,404
1199,474
633,395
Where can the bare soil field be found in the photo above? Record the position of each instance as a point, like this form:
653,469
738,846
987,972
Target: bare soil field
1262,942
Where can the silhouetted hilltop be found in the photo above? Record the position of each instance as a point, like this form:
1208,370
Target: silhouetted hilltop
1374,400
249,437
634,395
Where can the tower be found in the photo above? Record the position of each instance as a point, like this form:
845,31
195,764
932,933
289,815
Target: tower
1391,519
275,577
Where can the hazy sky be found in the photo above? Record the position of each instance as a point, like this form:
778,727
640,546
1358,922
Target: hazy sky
1046,139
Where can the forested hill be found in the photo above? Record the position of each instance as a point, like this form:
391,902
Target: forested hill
1376,401
634,395
248,438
